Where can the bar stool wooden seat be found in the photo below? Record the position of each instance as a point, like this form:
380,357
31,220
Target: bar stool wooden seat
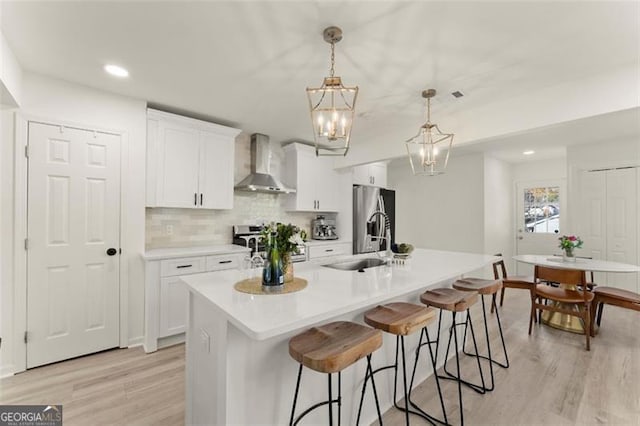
402,319
485,287
612,296
329,349
455,301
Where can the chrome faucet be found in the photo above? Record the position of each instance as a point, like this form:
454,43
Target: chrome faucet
387,232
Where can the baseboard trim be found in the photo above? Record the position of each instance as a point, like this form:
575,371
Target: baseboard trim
136,341
7,371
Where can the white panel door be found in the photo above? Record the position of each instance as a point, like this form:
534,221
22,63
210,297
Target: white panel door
539,209
216,171
178,175
593,217
622,223
73,219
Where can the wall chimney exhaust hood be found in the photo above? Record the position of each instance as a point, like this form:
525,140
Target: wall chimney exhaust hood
260,179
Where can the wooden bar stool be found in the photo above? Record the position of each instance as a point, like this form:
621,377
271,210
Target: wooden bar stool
455,301
490,288
402,319
331,348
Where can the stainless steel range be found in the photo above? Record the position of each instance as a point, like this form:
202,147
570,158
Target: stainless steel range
249,236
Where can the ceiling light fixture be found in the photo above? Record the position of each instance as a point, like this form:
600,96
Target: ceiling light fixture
116,70
429,149
332,107
529,152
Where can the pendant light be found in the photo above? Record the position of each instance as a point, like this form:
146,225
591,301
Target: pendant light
332,107
429,149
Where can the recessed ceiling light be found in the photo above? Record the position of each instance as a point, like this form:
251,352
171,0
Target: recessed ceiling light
529,152
116,70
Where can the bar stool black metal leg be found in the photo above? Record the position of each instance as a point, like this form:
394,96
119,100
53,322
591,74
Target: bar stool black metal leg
330,402
369,374
481,389
504,346
375,392
421,412
404,381
295,396
486,334
455,336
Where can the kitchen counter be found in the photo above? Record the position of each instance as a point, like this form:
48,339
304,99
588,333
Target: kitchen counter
172,253
238,367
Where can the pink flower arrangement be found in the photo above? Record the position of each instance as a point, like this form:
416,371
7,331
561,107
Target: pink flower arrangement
569,242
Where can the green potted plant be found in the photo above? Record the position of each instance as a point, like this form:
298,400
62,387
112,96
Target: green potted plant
286,238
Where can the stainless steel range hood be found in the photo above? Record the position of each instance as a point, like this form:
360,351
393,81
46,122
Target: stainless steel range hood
260,179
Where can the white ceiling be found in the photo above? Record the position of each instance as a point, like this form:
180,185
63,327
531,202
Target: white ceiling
247,63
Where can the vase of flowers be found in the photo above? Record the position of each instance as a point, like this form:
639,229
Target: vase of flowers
287,238
568,243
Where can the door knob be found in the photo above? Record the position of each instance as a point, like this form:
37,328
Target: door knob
111,251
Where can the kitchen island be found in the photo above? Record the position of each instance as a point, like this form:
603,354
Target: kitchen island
239,371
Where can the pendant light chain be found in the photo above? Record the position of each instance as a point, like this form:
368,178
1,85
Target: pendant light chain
333,58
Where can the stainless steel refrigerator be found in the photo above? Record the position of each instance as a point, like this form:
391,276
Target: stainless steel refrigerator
366,200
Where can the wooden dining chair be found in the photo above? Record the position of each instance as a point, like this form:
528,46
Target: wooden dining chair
612,296
562,298
508,281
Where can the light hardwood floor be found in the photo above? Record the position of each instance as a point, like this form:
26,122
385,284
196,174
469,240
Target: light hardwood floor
552,380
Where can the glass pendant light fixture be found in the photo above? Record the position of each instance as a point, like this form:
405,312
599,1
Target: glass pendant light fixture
429,149
332,107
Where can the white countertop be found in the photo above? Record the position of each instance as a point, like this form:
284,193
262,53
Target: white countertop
170,253
330,292
582,264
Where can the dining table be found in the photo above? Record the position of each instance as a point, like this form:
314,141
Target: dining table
564,321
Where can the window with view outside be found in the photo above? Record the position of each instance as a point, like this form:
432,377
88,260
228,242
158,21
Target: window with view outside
542,209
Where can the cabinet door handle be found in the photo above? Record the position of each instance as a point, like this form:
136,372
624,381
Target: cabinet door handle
225,261
328,250
183,266
373,178
195,199
200,198
318,204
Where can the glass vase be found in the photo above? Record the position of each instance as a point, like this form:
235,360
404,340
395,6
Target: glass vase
287,267
568,255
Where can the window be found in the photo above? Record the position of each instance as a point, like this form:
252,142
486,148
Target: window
542,209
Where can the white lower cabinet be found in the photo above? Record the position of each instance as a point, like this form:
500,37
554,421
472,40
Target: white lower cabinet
173,307
320,250
166,296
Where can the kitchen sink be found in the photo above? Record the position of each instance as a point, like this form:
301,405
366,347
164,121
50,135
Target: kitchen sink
356,265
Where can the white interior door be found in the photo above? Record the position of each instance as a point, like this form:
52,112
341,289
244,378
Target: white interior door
609,221
73,219
539,212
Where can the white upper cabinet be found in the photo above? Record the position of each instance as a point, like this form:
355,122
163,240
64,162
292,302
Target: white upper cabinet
314,179
374,174
189,162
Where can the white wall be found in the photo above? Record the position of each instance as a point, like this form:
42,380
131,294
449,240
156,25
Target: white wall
441,212
540,170
10,76
54,101
498,209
